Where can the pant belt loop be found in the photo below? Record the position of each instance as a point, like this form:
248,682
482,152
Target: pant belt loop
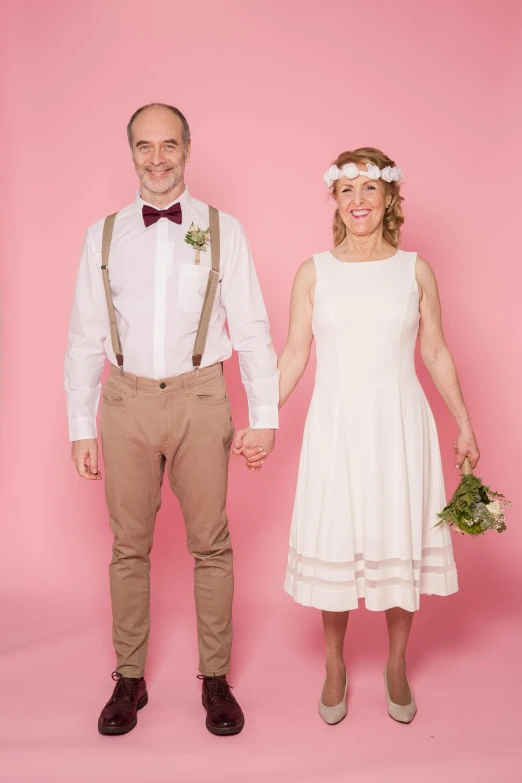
186,385
134,391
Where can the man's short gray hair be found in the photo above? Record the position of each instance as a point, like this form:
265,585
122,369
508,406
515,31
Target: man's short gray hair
186,129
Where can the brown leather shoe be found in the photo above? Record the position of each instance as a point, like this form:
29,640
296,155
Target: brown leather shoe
224,715
119,714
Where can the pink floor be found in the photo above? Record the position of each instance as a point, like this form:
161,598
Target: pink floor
56,667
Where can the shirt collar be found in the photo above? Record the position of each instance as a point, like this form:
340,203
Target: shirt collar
184,200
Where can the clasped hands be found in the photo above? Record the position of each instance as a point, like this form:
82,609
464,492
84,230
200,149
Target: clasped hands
255,446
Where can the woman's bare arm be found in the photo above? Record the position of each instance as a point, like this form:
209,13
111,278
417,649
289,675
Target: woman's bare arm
439,362
294,358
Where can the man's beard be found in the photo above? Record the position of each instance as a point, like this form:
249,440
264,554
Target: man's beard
173,179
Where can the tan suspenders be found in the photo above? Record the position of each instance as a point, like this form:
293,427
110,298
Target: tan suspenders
210,293
208,302
108,228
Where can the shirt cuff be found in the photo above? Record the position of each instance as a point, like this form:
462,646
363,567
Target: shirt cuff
264,417
82,428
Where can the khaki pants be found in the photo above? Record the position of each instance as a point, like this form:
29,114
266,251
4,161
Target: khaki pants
184,424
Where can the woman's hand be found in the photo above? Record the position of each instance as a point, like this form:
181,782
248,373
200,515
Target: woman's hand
466,446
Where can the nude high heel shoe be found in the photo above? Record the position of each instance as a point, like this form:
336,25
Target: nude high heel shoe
403,714
333,715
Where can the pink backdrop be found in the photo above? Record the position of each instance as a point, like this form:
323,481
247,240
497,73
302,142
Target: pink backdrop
273,92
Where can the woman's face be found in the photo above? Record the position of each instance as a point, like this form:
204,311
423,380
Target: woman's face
361,203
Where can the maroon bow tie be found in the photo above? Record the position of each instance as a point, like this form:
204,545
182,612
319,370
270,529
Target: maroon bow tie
151,215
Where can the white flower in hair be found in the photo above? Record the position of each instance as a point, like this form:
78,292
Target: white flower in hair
350,171
391,174
332,175
374,172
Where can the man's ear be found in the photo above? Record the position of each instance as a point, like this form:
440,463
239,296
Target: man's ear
188,150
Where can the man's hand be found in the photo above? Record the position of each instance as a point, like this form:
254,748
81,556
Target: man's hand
84,454
255,445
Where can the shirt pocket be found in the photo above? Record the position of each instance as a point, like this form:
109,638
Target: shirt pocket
193,281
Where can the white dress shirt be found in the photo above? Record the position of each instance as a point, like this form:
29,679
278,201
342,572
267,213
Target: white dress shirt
158,293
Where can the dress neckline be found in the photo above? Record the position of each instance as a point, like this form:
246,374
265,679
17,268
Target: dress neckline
359,263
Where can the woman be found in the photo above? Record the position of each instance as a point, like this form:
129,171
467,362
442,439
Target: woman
370,477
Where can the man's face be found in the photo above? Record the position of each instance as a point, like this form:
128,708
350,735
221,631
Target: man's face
158,150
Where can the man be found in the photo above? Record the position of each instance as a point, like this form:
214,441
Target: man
155,287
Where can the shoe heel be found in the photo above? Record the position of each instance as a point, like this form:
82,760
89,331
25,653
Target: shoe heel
143,701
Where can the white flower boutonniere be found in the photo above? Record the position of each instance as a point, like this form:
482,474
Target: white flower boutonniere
198,238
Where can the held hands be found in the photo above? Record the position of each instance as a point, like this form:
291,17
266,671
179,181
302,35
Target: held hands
84,454
255,446
466,446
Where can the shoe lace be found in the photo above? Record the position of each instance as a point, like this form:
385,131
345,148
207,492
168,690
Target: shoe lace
124,687
217,687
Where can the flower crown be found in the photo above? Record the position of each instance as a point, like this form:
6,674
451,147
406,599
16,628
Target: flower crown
350,170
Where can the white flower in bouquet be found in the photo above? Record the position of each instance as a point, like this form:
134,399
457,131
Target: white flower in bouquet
494,508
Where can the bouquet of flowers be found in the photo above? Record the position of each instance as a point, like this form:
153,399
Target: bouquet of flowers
474,508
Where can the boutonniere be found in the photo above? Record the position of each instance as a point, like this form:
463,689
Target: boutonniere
198,238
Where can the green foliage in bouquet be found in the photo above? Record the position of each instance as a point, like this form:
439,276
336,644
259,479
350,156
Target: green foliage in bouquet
474,508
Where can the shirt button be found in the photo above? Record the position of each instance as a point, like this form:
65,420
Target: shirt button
163,385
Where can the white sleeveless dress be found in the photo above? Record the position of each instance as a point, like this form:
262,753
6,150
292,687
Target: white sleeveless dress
370,475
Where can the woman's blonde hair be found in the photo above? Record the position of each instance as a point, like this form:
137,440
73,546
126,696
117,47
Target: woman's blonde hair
393,217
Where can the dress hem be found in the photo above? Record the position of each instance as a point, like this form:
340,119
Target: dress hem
375,599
